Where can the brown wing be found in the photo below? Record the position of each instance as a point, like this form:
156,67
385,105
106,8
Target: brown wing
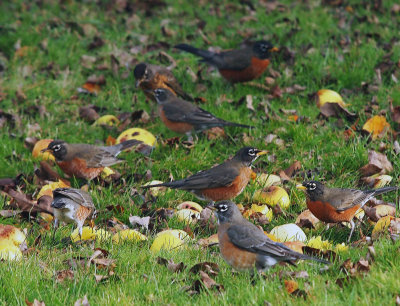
250,238
343,199
78,196
238,59
95,156
219,176
182,111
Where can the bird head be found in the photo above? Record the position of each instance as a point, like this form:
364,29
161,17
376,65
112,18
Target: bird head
313,189
226,211
142,73
263,49
57,148
248,155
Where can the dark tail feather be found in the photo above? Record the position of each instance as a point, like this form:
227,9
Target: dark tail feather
304,256
129,143
384,190
202,53
238,125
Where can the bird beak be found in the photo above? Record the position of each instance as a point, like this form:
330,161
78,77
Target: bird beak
259,153
211,206
274,49
45,150
301,187
138,82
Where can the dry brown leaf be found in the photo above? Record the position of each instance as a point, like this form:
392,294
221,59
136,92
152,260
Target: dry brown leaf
379,211
88,113
82,302
295,246
307,220
209,267
293,168
249,102
63,275
377,126
336,110
210,241
378,163
169,263
291,286
215,133
35,303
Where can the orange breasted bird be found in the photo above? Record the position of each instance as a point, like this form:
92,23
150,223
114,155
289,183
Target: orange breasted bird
238,65
184,117
84,160
222,182
244,246
72,206
334,205
150,77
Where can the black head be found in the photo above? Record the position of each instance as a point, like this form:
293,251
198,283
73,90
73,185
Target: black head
226,211
162,95
313,189
248,155
140,71
58,149
263,49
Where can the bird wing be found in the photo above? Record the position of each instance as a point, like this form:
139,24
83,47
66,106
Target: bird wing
343,199
237,59
78,196
182,111
102,158
251,238
219,176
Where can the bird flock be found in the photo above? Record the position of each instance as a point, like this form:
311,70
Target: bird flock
242,244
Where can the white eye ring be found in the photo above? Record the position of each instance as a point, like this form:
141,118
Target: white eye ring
56,148
251,152
312,186
223,208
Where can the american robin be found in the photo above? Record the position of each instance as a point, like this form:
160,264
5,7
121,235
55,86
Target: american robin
334,205
72,205
239,65
150,77
222,182
184,117
244,246
84,160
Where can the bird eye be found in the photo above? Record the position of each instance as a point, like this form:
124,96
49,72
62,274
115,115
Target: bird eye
56,148
312,186
252,152
223,208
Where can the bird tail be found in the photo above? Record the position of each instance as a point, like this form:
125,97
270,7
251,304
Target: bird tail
207,55
129,143
228,123
315,259
384,190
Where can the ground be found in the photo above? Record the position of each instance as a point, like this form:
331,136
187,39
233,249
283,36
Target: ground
49,49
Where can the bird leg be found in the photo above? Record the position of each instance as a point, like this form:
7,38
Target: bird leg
352,230
55,229
189,136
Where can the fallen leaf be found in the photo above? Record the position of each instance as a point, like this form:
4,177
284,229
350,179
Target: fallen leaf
63,275
169,263
89,113
307,220
379,211
249,102
293,168
209,267
336,110
378,163
90,88
35,303
82,301
291,286
377,126
210,241
141,221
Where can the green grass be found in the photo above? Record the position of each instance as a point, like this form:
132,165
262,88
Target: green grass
309,29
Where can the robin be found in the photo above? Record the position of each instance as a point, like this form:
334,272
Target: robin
244,246
150,77
184,117
239,65
72,205
86,161
334,205
222,182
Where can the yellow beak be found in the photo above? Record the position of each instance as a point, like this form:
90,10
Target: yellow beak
45,150
261,153
274,49
301,187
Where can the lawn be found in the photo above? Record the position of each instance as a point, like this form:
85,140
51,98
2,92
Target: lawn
48,50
